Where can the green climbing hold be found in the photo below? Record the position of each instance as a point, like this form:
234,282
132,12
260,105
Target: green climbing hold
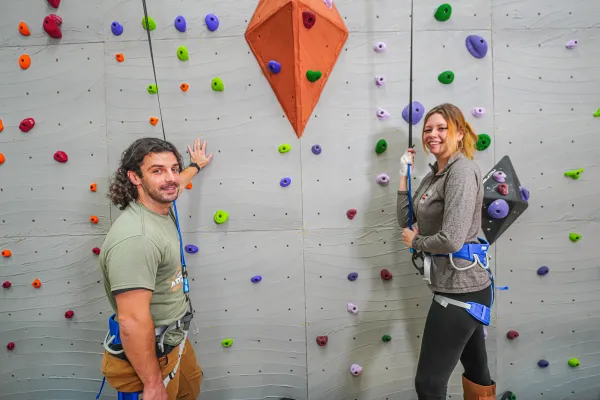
597,113
284,148
575,237
150,22
152,88
221,216
313,76
227,342
381,146
483,141
217,84
574,173
574,362
386,338
443,12
509,396
446,77
182,53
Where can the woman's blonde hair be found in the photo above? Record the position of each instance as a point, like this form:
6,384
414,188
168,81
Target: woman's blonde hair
456,123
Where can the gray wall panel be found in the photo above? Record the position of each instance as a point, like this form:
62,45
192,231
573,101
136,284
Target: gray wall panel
465,15
544,14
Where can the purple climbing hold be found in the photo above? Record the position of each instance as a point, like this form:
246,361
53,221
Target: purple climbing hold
382,114
417,112
316,149
380,81
499,176
543,363
212,22
190,248
383,179
180,23
380,47
328,3
274,66
256,279
285,182
116,28
477,46
498,209
571,44
524,193
352,276
478,111
543,270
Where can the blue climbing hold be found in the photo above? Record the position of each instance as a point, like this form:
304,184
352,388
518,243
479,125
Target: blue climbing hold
477,46
190,248
543,363
256,279
274,67
116,28
180,23
316,149
212,22
543,270
285,182
352,276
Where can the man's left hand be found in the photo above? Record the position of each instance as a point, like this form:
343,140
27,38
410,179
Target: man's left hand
408,235
198,154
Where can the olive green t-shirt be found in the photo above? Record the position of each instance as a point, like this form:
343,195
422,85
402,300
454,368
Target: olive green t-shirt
141,250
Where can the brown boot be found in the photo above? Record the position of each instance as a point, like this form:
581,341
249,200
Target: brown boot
473,391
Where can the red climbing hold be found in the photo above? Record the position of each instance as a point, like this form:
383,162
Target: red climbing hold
27,124
10,346
6,284
61,156
52,25
94,219
36,284
2,158
54,3
351,213
503,189
69,314
308,18
322,340
96,250
512,335
386,275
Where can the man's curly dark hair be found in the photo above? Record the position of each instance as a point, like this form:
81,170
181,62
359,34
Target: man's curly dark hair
121,190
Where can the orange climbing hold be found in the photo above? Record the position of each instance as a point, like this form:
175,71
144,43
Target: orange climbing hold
24,61
1,126
184,87
304,57
36,284
189,185
120,57
153,120
2,158
6,253
24,29
93,187
94,219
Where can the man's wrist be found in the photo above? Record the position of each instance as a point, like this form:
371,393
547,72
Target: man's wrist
195,166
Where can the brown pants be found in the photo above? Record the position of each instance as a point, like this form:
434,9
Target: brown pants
122,377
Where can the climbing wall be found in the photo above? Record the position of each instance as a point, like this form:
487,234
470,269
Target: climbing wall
306,291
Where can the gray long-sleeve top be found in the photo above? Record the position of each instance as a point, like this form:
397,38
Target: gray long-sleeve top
447,208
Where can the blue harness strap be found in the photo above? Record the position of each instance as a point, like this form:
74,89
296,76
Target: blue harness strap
470,250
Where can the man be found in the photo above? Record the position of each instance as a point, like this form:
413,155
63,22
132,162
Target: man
141,263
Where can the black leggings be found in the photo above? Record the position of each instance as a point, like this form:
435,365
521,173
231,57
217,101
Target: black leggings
452,334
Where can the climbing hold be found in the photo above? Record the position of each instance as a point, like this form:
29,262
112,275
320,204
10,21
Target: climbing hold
381,146
217,84
351,213
96,250
543,270
52,25
27,124
574,362
285,182
6,285
446,77
24,61
543,363
385,275
1,126
512,335
503,189
189,186
509,396
227,342
212,22
93,187
352,308
477,46
356,369
382,114
571,44
313,76
180,23
69,314
256,279
54,3
383,179
116,28
152,88
575,237
182,53
36,283
119,57
478,111
308,19
153,121
284,148
443,12
328,3
386,338
380,47
2,158
380,81
499,176
6,253
352,276
221,217
61,156
322,340
148,24
483,141
417,112
574,173
24,29
597,113
274,66
94,219
10,346
316,149
498,209
184,87
190,248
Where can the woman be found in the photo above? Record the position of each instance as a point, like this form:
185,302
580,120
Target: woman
447,209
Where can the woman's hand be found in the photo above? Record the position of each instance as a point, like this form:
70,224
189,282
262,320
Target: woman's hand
407,158
408,235
198,154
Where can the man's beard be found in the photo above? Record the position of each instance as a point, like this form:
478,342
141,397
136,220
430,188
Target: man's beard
158,195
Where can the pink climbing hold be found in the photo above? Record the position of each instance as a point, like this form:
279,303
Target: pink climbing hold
96,250
54,3
356,369
52,25
61,156
69,314
351,213
10,346
27,124
6,285
571,44
386,275
512,335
